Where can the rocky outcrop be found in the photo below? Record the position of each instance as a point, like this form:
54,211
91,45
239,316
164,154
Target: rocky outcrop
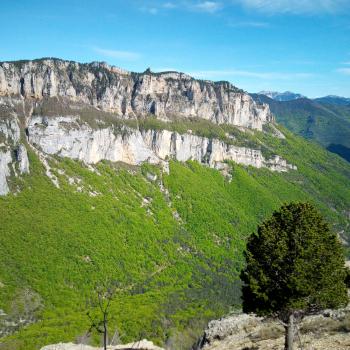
69,346
13,154
329,330
139,345
70,137
164,95
5,161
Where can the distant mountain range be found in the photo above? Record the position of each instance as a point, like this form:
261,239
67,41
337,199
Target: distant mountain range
325,120
291,96
334,100
281,96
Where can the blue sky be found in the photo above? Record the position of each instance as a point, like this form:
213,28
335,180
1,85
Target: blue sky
297,45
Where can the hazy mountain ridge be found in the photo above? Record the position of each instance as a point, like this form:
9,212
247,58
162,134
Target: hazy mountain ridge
290,96
281,96
320,120
333,100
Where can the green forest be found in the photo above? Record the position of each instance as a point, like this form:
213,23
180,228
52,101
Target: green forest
173,242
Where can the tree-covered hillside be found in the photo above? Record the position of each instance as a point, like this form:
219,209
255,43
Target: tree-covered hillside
320,120
173,242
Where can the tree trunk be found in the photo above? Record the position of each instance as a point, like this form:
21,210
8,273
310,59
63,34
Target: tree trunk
105,333
289,336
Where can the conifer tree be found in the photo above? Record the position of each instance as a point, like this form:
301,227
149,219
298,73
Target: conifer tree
295,267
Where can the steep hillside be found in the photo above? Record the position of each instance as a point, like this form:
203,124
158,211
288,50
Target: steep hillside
320,120
160,205
333,100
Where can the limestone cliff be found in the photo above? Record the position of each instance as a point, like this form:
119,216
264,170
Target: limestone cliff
79,111
128,95
70,137
13,154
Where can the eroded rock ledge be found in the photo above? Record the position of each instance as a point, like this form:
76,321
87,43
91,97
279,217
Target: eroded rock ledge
70,137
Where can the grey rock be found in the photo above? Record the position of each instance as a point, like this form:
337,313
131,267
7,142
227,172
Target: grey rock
22,159
70,137
165,95
12,152
5,160
247,331
140,345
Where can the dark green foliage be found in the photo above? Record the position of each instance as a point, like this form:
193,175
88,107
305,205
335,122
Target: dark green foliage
294,263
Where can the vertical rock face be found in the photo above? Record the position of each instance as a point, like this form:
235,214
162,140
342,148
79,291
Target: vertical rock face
128,95
13,154
22,159
5,160
70,137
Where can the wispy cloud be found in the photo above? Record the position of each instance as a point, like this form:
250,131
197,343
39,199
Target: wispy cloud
152,10
164,69
207,6
169,5
296,6
155,9
345,71
252,24
122,55
214,74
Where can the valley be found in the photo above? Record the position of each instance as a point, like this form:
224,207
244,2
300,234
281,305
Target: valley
151,180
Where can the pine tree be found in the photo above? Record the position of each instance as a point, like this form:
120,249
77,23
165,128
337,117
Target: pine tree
295,267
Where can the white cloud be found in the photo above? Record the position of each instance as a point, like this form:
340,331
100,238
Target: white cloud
253,24
345,71
122,55
208,6
214,74
198,6
164,69
151,10
169,5
155,8
296,6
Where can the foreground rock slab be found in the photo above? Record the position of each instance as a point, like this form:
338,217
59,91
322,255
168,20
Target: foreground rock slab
139,345
327,331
